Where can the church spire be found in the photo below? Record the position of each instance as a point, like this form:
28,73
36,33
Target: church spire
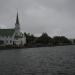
17,19
17,24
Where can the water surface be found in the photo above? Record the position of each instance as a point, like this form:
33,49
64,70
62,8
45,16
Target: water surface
38,61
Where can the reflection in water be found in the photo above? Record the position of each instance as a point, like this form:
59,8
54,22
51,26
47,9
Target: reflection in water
38,61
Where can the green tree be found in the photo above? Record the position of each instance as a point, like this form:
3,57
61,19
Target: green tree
44,39
29,38
61,40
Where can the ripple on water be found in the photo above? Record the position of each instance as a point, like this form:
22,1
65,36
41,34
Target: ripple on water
38,61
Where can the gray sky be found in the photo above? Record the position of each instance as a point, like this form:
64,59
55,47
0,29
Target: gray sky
56,17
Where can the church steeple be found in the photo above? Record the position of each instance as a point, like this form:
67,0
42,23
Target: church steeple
17,19
17,24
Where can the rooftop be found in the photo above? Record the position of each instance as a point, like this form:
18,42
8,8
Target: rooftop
7,32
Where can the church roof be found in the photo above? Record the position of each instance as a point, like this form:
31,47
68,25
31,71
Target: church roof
7,32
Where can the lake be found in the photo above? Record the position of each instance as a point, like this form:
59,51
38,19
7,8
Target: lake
38,61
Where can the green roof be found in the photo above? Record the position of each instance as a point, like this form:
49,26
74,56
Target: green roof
7,32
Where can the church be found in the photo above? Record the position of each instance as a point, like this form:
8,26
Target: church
13,36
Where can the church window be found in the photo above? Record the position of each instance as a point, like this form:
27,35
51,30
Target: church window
1,42
10,41
6,41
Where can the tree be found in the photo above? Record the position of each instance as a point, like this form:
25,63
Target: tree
44,39
61,40
29,38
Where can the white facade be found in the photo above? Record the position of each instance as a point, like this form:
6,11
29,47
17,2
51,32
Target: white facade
13,41
13,36
20,41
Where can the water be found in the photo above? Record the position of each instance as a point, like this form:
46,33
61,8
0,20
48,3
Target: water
38,61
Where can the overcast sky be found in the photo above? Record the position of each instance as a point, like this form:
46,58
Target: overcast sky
56,17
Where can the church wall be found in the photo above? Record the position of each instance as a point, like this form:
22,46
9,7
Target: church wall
20,41
10,40
7,40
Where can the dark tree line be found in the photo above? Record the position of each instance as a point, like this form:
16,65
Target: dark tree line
46,40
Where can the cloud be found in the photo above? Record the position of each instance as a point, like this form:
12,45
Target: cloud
3,26
56,17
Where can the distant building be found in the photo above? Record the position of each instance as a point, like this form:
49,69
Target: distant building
12,36
73,41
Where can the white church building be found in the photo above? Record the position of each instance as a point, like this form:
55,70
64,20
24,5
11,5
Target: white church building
12,36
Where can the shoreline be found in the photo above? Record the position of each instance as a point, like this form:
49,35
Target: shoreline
11,47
